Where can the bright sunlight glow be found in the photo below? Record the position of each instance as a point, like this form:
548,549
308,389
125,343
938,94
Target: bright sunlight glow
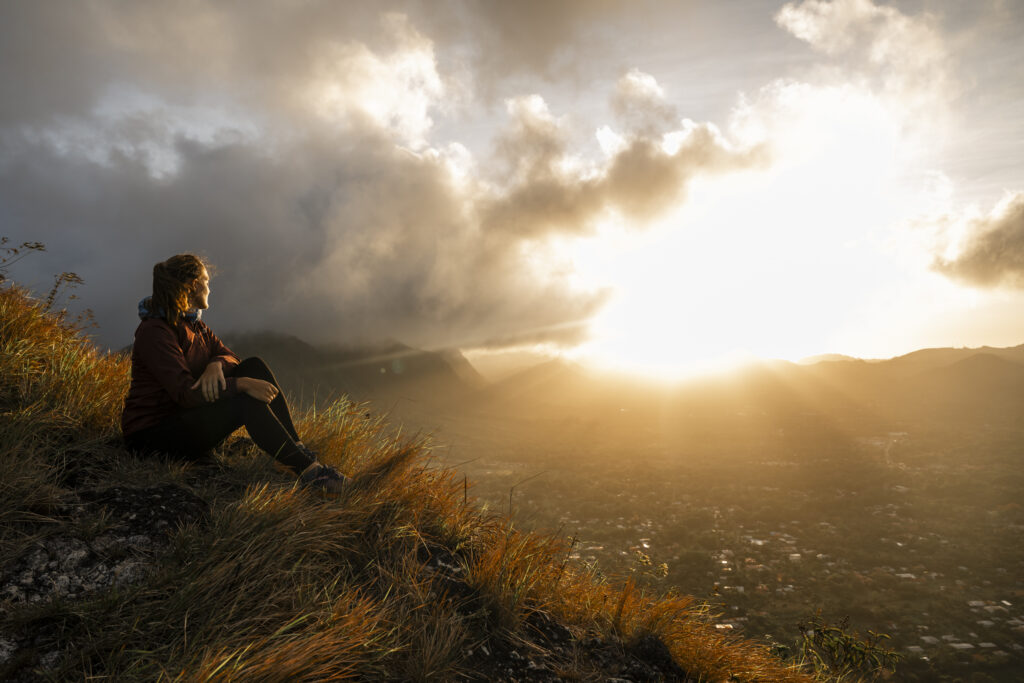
766,263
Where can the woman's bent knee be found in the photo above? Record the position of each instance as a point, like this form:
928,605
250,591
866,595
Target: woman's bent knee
254,362
254,367
250,407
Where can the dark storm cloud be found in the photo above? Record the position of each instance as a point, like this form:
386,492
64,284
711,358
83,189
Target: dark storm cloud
133,131
369,243
994,253
59,58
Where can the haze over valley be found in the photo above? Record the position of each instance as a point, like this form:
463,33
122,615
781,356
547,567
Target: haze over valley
886,491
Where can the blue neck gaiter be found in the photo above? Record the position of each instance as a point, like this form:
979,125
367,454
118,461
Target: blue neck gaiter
191,315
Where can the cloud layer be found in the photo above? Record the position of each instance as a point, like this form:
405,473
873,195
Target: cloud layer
295,149
451,173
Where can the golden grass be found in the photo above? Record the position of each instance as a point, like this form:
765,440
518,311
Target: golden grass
54,380
281,585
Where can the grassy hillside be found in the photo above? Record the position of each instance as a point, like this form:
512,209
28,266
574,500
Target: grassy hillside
405,578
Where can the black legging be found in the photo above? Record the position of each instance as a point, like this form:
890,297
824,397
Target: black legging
194,431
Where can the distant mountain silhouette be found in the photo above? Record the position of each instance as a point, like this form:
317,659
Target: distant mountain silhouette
930,359
389,371
953,385
984,386
826,357
558,384
550,383
979,377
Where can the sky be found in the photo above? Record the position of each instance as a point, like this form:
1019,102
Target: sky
653,186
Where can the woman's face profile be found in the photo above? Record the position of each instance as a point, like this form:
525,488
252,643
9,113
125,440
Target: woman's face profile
201,291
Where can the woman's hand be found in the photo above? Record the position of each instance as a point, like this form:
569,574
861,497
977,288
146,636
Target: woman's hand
212,381
257,388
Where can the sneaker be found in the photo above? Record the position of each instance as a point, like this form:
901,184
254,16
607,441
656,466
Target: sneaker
308,452
324,478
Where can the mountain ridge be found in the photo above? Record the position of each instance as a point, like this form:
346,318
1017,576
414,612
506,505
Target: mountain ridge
923,382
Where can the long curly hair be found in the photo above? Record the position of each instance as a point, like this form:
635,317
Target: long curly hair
173,281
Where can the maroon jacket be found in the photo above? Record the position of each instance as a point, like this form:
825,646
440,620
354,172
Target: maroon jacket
165,364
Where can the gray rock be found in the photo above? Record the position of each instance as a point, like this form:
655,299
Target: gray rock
7,650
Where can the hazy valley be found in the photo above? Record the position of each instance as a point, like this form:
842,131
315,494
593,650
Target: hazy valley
885,491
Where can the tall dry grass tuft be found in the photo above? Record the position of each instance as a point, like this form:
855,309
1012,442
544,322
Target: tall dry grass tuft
630,613
309,648
398,580
56,384
513,572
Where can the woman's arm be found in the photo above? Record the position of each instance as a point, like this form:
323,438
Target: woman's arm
212,381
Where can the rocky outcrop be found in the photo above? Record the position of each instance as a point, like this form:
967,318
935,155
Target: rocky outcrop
110,538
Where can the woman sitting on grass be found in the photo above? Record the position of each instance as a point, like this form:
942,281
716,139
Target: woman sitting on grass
189,392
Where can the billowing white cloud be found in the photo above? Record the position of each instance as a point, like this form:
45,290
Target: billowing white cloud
396,91
640,104
906,56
